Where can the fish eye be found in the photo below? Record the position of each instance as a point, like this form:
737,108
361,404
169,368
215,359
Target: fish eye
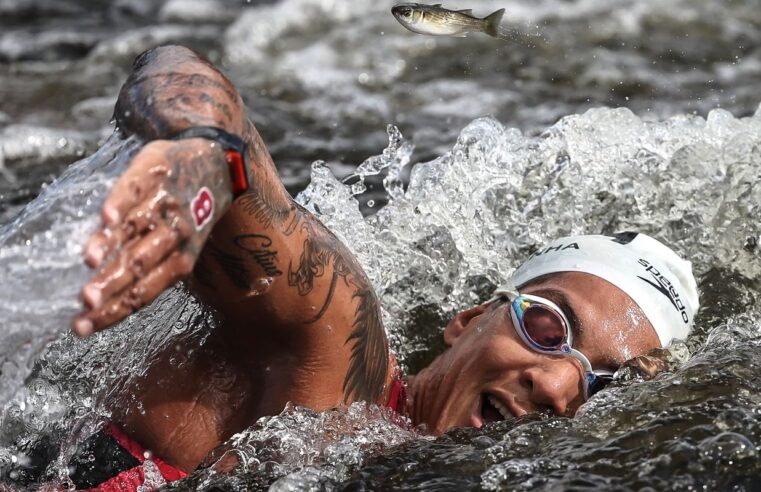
405,11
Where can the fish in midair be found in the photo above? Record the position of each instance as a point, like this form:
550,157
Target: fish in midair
439,21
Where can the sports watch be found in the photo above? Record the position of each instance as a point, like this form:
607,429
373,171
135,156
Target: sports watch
235,153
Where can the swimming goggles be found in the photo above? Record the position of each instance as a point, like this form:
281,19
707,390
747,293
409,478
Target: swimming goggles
544,327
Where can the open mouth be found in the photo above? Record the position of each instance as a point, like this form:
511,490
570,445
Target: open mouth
493,410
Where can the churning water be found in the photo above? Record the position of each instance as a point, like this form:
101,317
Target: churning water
437,219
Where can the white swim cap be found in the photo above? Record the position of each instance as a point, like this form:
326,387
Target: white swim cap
653,275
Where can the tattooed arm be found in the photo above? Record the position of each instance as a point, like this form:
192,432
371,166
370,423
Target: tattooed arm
292,298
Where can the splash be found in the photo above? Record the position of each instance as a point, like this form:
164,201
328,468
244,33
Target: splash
463,223
52,384
470,216
681,417
447,237
301,449
41,244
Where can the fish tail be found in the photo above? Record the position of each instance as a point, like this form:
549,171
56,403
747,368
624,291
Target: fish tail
492,21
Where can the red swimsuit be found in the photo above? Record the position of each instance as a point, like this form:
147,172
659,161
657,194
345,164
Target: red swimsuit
129,480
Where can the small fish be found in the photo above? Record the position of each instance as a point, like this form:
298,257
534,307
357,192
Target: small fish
439,21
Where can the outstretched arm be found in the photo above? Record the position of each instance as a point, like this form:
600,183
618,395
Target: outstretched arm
278,277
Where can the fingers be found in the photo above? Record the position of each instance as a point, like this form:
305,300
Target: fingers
144,291
101,244
162,207
147,171
138,258
141,218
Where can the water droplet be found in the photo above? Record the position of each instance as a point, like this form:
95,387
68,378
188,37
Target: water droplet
358,188
260,286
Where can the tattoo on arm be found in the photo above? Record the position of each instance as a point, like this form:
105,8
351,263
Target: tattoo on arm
257,247
172,88
223,107
234,267
323,257
369,356
168,91
265,208
266,200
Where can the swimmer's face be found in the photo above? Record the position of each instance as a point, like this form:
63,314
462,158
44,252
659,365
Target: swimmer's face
488,363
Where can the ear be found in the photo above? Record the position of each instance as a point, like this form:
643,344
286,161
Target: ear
460,323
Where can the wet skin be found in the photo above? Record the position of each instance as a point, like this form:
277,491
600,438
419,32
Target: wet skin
299,320
487,357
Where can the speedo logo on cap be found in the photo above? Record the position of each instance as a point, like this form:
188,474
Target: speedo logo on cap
664,286
549,249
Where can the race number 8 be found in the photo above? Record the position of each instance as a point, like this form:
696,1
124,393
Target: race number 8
202,208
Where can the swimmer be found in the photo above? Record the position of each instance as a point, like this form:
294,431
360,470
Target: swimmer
202,203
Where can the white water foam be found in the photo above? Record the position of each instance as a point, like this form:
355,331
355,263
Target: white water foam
464,222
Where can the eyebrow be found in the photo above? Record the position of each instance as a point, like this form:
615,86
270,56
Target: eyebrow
559,298
613,362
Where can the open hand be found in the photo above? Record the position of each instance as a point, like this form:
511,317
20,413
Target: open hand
155,222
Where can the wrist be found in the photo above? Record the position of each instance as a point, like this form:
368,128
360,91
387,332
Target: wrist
234,148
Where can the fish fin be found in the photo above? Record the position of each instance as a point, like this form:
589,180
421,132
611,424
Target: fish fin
461,35
436,5
465,11
492,21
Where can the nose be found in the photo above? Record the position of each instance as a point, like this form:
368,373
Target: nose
555,384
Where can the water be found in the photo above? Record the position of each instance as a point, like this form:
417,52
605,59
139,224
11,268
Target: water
324,79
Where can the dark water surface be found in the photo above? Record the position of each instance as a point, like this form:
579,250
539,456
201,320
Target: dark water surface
323,79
